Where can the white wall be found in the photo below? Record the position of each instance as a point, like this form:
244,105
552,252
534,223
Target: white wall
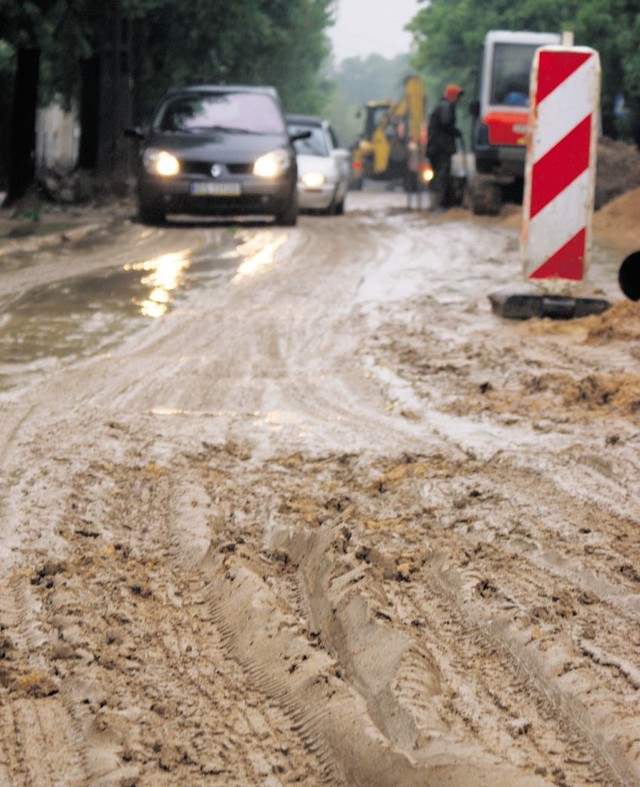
57,138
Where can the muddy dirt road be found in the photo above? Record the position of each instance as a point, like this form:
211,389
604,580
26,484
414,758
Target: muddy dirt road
293,506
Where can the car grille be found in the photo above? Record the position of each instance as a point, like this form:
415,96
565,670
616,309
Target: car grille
204,168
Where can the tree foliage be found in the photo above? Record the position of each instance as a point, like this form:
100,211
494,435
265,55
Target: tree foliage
449,36
143,47
276,42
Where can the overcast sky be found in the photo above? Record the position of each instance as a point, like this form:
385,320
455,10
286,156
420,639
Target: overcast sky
366,27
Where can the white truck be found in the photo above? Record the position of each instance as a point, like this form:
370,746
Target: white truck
500,113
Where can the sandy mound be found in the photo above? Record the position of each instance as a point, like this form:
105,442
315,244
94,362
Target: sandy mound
617,219
618,170
620,216
619,323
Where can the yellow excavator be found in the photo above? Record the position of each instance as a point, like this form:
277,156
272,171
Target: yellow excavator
394,138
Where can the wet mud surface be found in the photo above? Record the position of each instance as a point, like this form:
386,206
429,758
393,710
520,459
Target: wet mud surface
294,506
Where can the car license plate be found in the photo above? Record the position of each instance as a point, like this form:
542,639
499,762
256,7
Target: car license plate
216,189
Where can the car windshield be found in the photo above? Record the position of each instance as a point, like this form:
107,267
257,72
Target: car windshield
255,113
315,145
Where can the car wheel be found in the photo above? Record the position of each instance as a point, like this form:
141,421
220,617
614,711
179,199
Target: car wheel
334,208
151,211
288,217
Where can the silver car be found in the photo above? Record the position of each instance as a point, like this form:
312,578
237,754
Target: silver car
324,167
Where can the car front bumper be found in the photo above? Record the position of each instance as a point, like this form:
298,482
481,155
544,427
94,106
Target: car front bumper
317,198
253,196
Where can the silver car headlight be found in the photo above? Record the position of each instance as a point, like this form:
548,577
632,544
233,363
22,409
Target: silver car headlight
272,164
160,162
313,180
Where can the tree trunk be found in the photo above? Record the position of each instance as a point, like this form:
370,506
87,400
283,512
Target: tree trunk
22,139
114,151
89,110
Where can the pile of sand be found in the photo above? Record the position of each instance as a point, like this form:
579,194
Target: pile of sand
619,323
618,170
620,217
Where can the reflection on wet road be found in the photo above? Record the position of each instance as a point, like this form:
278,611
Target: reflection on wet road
86,315
259,251
162,276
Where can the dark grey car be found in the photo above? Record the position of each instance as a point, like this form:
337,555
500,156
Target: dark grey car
217,150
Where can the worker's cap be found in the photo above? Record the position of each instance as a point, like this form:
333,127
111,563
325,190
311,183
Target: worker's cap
452,92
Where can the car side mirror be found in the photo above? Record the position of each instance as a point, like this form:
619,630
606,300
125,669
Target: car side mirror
301,135
341,153
474,108
134,133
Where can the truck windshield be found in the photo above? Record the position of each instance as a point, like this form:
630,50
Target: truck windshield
511,67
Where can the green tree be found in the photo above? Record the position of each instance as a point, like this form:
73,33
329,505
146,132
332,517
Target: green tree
117,59
30,26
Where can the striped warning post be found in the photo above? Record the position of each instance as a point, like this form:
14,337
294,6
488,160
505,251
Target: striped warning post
560,166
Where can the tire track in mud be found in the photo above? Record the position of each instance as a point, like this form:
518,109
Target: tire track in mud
420,723
551,718
507,672
142,692
567,709
331,717
252,741
543,583
291,665
583,544
38,720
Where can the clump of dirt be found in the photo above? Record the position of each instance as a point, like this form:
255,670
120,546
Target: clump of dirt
576,397
618,170
619,392
619,323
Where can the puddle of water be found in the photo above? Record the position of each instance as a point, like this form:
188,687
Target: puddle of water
159,277
88,315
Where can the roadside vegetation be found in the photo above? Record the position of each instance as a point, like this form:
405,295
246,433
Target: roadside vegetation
112,61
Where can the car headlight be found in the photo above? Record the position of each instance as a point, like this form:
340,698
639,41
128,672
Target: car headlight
273,164
313,180
160,162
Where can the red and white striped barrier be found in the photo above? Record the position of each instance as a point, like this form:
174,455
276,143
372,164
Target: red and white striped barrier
561,164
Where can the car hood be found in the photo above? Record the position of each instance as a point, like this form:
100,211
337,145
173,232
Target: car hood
222,146
327,165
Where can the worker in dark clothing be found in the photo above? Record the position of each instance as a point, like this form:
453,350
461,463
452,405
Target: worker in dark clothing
441,146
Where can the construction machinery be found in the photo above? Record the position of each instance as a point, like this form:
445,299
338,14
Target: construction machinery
393,140
500,113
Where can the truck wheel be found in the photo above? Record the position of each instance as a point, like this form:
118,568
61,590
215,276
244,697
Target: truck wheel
484,196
